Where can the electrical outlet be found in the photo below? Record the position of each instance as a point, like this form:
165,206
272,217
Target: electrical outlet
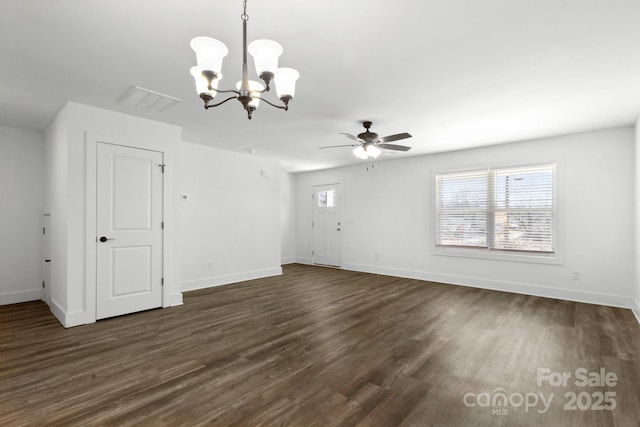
576,275
210,265
377,256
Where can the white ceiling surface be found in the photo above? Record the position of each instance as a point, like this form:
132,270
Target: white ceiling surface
455,74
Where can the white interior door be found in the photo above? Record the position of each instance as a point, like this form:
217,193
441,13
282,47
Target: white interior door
129,230
327,201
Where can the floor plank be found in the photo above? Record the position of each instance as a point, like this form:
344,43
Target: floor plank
319,346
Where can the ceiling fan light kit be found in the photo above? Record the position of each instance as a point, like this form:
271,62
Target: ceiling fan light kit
369,144
366,151
208,73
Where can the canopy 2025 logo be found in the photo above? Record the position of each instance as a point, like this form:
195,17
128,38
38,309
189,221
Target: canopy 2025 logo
500,401
583,378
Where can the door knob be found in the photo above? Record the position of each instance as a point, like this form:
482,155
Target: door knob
337,229
104,239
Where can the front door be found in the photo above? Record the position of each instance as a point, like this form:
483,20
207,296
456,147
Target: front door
327,201
129,230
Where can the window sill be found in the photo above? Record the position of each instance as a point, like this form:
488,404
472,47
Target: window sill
497,255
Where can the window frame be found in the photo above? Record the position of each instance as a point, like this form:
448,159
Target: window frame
557,257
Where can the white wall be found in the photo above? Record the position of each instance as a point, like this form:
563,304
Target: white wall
387,211
67,141
288,218
637,222
229,230
22,199
230,226
56,194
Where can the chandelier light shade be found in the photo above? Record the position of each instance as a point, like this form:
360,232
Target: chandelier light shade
265,55
202,84
285,79
209,53
208,73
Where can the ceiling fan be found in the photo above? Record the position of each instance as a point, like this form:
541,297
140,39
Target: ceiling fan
369,144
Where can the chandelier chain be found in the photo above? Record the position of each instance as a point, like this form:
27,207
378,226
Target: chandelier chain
244,15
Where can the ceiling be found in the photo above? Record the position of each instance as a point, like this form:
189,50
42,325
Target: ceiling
455,74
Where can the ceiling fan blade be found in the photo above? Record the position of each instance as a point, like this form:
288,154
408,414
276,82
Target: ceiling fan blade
348,135
394,147
336,146
395,137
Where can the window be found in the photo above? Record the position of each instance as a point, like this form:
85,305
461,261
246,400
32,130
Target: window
326,199
508,209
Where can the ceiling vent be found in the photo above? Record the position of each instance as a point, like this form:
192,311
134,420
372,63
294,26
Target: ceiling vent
149,100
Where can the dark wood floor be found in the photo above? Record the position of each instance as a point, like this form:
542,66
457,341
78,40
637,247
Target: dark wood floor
320,347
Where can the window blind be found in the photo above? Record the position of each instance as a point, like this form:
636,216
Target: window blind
462,209
508,209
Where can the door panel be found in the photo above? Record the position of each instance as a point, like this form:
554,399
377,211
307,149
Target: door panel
131,193
129,219
327,204
131,274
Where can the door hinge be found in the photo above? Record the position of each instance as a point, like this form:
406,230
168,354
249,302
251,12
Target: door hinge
162,281
313,252
44,230
43,284
313,224
162,225
162,168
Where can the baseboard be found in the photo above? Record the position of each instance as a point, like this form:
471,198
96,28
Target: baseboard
209,282
58,312
636,309
176,299
303,260
77,318
20,296
69,320
518,288
288,260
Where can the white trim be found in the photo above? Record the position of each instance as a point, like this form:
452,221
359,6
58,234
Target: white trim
176,299
90,252
303,260
69,320
210,282
636,309
498,255
20,296
499,285
288,260
77,318
58,312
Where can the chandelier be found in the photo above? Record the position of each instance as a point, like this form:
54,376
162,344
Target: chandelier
265,53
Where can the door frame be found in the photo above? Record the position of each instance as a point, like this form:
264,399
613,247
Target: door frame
171,295
342,199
